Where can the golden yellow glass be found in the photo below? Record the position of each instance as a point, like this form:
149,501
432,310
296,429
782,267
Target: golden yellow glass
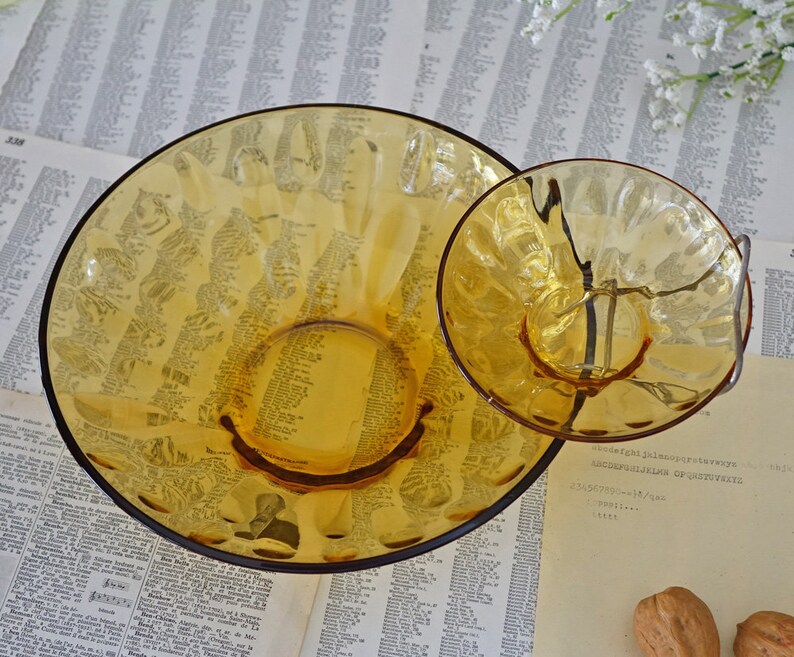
240,343
594,300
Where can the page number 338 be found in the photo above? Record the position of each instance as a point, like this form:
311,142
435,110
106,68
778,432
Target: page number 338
15,141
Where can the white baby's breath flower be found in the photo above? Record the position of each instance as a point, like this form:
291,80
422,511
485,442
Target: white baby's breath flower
665,107
703,24
655,108
781,32
672,95
719,35
752,5
543,16
766,9
660,71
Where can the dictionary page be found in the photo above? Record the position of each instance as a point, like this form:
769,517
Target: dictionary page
45,187
705,505
474,597
78,576
772,277
130,76
16,19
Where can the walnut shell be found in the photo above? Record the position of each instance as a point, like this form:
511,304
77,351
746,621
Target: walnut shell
675,623
765,634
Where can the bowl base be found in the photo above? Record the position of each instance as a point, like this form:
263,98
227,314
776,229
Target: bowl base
347,406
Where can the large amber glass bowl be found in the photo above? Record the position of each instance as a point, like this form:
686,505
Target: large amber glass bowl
240,344
594,300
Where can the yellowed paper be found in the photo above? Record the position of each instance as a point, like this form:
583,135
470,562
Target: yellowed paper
707,505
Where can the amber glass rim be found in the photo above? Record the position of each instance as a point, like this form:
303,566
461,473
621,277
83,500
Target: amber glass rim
260,564
495,402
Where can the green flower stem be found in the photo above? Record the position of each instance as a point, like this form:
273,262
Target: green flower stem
701,88
776,74
769,58
566,10
723,5
740,17
731,7
617,12
720,5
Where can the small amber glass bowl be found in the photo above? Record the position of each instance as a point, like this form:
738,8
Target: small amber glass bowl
594,300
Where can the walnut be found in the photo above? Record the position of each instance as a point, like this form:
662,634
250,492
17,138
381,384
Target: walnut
675,623
765,634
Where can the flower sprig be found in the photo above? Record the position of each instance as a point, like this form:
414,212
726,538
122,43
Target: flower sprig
547,12
759,33
750,42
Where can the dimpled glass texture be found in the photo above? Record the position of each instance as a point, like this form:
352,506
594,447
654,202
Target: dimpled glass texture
594,300
240,343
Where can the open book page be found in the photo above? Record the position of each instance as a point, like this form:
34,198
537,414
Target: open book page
473,597
78,576
772,277
46,188
16,19
704,505
130,76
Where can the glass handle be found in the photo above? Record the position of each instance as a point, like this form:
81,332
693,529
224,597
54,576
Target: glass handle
743,242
